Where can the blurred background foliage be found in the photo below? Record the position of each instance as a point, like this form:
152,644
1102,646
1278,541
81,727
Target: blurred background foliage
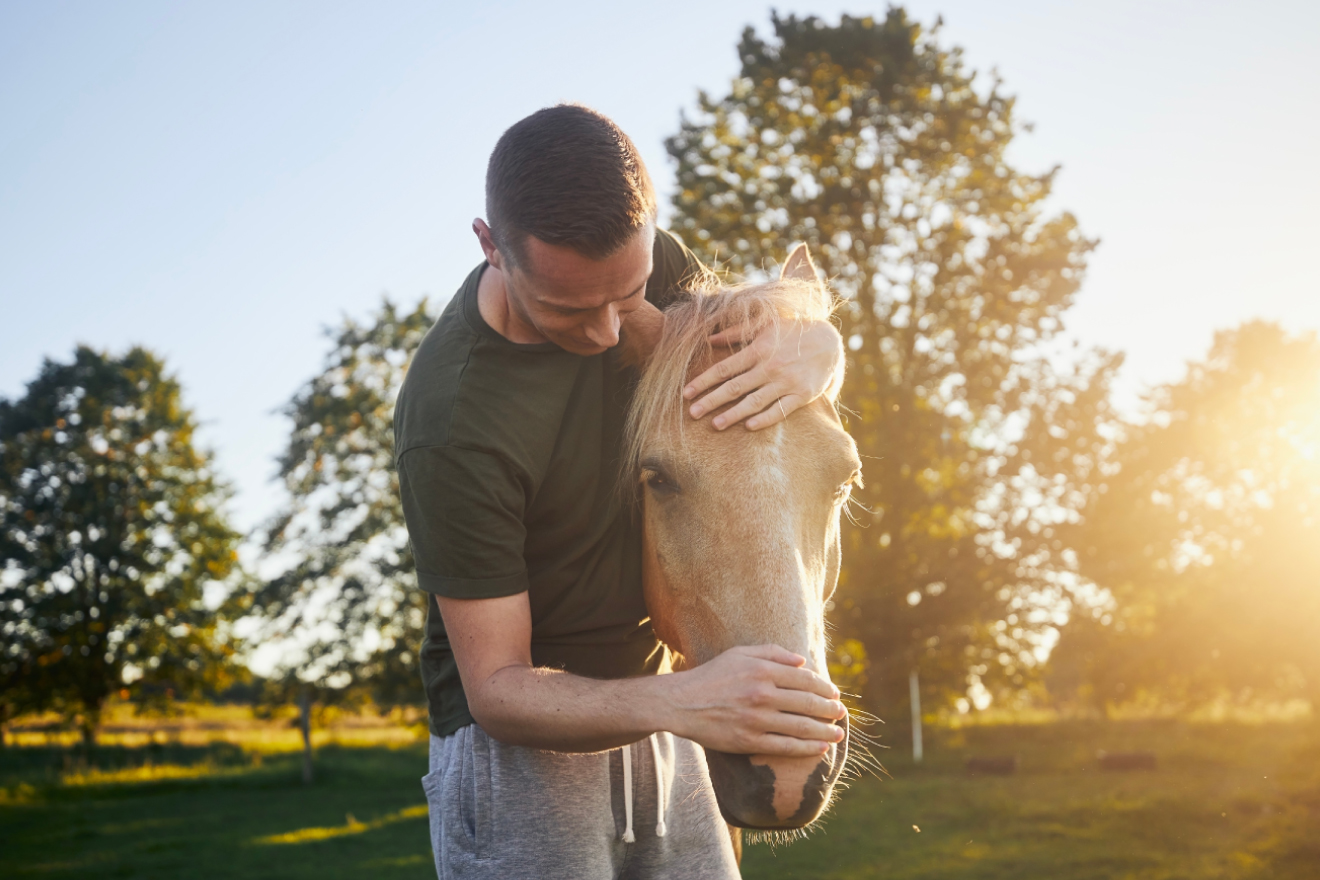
339,595
1205,535
113,542
1018,542
868,141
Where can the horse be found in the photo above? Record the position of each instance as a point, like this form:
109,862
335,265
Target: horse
741,538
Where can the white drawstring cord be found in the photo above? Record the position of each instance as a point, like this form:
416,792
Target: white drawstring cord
660,827
659,786
628,836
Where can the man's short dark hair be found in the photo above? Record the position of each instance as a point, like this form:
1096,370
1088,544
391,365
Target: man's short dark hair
570,177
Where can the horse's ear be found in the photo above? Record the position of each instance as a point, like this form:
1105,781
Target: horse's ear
640,334
798,266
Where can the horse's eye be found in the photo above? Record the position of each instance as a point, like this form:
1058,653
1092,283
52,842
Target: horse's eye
846,489
660,484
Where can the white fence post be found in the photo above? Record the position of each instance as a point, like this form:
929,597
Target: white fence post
914,688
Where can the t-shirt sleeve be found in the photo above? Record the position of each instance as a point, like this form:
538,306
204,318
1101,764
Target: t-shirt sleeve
464,511
673,266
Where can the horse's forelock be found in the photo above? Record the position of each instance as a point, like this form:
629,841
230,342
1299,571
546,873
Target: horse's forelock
748,309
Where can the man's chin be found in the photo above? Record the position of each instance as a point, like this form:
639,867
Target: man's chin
583,349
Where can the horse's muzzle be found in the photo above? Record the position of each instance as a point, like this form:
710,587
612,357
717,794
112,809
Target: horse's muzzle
766,794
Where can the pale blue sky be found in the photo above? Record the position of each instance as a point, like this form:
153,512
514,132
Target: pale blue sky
219,181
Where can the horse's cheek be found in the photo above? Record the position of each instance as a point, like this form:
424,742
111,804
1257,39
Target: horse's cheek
661,603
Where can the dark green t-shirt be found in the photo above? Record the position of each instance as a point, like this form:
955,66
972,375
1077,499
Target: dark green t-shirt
508,461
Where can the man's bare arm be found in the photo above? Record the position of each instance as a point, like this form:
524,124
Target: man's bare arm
755,700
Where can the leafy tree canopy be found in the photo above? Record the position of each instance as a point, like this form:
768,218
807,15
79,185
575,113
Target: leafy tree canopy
343,600
1207,538
872,143
111,530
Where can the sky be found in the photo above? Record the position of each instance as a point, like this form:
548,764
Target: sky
221,182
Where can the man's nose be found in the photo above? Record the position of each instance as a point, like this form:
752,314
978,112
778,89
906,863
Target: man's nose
604,328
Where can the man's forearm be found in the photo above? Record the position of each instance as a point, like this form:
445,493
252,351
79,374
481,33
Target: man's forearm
749,700
554,710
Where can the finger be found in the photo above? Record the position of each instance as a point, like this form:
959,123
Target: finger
755,403
802,679
732,336
737,387
787,746
810,705
800,702
774,653
722,371
773,415
800,727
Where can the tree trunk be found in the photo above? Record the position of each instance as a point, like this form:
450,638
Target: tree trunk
91,720
305,724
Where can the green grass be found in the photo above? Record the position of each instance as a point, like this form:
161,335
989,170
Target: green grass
364,817
1228,801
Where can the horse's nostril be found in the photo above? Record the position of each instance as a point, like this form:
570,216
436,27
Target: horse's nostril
775,794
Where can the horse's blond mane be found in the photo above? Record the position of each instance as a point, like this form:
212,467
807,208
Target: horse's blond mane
689,323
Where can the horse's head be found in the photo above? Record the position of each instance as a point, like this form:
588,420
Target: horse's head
742,527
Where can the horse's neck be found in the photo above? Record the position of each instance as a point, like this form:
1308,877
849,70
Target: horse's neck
677,662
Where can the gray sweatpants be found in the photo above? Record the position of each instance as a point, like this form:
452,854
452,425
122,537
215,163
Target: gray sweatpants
501,811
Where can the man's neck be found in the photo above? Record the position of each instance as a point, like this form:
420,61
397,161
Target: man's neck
498,312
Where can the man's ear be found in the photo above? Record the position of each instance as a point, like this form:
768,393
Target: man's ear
640,334
487,241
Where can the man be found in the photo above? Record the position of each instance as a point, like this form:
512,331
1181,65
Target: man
541,662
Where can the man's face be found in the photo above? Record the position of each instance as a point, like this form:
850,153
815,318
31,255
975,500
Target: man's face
574,301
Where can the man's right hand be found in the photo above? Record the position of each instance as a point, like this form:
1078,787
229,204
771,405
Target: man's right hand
755,700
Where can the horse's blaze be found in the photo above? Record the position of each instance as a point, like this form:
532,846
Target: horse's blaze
764,793
747,552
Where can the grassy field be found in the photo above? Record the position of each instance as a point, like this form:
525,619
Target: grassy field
202,724
1228,801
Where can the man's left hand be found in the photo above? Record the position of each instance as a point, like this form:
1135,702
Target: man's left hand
783,368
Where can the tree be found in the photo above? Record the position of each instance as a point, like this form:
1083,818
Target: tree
871,143
1207,537
344,600
111,531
